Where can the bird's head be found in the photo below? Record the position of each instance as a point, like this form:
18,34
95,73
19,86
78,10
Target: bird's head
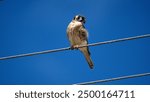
79,18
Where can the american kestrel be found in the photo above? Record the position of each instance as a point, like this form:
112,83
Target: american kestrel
78,36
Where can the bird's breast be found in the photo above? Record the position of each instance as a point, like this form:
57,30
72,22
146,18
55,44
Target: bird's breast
74,34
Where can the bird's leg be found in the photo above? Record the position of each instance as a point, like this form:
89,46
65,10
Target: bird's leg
74,47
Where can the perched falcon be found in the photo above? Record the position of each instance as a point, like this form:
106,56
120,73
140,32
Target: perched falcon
78,35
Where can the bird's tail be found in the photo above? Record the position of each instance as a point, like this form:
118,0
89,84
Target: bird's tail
88,58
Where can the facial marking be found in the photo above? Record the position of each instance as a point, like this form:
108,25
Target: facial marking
80,18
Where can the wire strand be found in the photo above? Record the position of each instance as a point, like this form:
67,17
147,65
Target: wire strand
68,48
113,79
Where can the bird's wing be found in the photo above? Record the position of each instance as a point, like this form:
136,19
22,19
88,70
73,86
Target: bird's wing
83,34
69,34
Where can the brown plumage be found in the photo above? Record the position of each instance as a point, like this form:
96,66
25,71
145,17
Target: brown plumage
78,35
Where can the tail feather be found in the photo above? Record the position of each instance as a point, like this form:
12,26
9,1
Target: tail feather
88,58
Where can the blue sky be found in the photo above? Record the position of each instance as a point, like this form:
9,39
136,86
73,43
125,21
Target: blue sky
36,25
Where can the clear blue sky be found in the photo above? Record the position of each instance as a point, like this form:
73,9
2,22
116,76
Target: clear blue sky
36,25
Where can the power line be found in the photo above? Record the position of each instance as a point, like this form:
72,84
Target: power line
113,79
68,48
119,40
34,53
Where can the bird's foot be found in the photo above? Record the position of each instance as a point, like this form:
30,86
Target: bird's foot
74,47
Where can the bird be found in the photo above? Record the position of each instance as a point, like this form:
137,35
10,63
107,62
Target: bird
78,36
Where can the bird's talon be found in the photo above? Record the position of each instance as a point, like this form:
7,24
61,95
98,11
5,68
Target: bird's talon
76,46
72,47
